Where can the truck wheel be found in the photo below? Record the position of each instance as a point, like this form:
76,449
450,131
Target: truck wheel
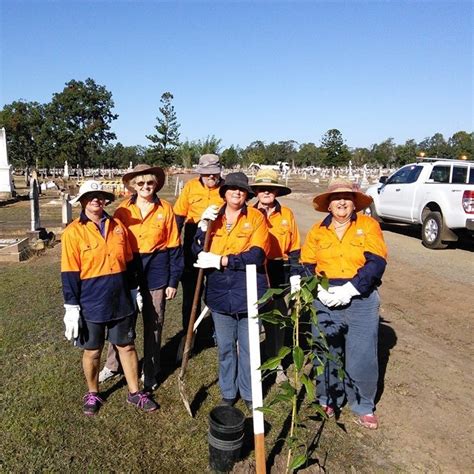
432,230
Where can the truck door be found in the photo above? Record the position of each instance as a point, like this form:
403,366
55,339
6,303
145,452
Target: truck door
398,193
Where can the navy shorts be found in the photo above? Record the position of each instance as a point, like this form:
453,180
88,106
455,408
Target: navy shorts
119,331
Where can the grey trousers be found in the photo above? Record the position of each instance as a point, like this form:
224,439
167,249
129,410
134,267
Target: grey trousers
153,313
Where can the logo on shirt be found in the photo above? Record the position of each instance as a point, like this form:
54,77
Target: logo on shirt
118,230
284,222
359,232
159,217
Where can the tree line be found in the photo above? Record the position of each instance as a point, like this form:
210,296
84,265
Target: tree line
76,126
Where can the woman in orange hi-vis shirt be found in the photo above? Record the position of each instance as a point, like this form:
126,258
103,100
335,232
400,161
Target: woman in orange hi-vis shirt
158,259
349,249
283,258
97,278
197,195
239,238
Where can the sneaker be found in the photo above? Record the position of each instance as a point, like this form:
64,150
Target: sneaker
106,374
92,403
249,404
369,421
143,401
227,402
328,410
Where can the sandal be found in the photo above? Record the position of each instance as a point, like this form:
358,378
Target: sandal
369,421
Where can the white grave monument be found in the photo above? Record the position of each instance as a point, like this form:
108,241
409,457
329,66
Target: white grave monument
66,170
6,182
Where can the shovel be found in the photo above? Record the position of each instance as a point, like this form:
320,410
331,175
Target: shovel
192,318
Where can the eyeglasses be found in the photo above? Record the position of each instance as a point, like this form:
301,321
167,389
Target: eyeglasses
140,184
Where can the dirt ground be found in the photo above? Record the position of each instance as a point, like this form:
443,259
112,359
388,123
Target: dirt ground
427,312
426,352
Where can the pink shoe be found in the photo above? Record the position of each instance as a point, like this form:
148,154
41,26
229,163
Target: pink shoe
328,410
369,421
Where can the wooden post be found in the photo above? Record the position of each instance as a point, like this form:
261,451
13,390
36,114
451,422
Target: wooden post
256,376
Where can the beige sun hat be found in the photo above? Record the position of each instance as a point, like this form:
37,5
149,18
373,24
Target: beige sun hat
91,186
266,178
209,164
341,185
143,169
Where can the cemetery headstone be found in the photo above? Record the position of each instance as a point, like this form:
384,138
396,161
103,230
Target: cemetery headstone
7,190
34,205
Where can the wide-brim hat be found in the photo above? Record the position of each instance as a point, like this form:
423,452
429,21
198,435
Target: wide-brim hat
209,164
267,178
91,186
238,180
142,169
340,185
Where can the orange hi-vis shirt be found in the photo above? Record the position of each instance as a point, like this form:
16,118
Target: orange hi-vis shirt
360,257
284,235
285,245
250,230
155,239
94,269
245,243
194,199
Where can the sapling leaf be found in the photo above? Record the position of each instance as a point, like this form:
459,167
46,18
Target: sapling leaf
298,357
271,363
297,461
284,351
269,294
309,386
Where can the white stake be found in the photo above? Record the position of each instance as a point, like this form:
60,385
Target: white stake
256,376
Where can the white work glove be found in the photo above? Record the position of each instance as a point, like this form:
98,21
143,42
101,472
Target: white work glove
295,283
208,260
71,321
210,214
344,293
326,298
137,298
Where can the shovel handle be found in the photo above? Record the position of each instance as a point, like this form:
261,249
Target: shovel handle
197,294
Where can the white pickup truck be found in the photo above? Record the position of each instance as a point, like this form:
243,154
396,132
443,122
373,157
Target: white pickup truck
436,193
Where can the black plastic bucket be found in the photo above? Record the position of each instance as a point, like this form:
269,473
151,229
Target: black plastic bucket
225,437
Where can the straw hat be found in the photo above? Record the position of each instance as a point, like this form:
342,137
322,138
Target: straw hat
266,178
91,186
238,180
143,169
341,185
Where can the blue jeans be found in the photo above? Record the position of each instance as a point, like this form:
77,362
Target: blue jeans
352,336
234,369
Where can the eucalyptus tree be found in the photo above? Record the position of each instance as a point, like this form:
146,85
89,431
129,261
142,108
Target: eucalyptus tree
23,122
78,120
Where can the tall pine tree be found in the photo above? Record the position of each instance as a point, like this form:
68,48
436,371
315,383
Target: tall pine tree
166,139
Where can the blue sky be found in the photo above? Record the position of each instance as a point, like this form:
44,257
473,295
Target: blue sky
244,71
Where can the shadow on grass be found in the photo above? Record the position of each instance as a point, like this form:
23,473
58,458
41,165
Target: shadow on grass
387,341
201,396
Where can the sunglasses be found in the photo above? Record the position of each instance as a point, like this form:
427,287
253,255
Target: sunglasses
266,189
99,196
140,184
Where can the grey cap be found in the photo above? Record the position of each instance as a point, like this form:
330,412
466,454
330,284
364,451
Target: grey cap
209,164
